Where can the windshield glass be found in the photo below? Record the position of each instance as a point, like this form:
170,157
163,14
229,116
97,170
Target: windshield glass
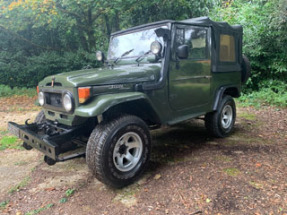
139,42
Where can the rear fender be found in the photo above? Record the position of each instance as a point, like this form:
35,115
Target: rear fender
226,90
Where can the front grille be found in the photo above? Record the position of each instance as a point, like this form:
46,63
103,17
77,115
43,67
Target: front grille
56,84
54,99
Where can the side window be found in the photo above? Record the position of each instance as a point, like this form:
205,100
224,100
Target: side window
195,38
227,48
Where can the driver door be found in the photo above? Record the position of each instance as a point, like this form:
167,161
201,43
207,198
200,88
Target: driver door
189,79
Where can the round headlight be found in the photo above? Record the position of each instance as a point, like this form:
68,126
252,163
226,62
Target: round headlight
99,55
67,102
41,98
155,47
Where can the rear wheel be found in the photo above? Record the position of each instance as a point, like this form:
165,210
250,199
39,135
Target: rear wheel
221,122
118,151
246,69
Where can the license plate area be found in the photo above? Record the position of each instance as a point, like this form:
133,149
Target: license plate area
37,143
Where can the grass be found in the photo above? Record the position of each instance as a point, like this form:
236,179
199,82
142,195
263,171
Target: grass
22,184
232,171
39,210
8,91
276,96
4,204
9,142
248,116
223,158
68,194
255,185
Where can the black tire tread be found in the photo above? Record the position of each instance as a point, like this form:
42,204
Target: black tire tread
96,144
211,119
246,69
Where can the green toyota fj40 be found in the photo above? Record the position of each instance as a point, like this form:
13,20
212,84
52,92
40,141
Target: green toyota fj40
156,74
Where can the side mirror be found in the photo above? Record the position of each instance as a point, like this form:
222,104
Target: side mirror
164,33
182,52
100,56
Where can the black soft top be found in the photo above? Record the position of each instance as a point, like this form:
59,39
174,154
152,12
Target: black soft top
206,21
218,29
199,21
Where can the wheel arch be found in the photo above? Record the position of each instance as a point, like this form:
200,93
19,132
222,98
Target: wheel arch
226,90
139,107
113,105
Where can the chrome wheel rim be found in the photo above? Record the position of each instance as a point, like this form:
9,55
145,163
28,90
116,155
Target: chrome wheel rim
226,116
127,151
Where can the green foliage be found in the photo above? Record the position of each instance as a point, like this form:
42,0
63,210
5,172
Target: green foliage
70,192
8,91
265,36
28,71
22,184
232,171
4,204
272,92
37,211
40,38
9,142
63,200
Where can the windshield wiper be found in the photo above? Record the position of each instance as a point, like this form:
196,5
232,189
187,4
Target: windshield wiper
140,58
124,54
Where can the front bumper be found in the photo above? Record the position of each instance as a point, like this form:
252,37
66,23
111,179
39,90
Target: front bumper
50,139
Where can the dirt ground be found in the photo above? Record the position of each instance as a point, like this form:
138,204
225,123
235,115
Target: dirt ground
189,173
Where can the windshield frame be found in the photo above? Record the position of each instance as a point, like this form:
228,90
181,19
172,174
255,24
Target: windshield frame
159,25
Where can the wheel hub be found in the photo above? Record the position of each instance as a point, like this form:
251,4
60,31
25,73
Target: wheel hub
226,116
123,149
127,151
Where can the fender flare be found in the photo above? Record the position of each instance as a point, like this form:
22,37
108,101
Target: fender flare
219,95
102,103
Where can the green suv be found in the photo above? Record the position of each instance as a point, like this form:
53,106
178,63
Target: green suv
156,74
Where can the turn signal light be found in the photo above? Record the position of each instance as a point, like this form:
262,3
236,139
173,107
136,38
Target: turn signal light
84,94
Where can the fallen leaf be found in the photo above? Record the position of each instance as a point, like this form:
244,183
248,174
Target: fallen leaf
50,189
258,164
157,176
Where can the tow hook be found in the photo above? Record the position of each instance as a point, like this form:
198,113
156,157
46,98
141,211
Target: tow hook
49,161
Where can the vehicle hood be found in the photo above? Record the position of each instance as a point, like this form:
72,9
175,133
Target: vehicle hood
103,76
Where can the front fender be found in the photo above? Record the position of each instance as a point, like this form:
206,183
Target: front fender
102,103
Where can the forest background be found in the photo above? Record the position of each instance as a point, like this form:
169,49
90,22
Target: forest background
44,37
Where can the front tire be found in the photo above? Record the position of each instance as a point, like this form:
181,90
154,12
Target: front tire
221,122
118,151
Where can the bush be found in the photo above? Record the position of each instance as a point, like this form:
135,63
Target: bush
8,91
19,70
272,92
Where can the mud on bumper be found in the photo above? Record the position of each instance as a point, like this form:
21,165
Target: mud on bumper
50,145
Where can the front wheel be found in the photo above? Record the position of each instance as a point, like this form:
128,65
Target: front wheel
118,151
221,122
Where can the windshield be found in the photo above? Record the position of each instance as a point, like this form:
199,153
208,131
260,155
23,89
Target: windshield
139,42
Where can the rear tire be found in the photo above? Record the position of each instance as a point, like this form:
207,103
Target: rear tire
118,151
246,69
221,122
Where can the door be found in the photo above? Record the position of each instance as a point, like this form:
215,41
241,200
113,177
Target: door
189,79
